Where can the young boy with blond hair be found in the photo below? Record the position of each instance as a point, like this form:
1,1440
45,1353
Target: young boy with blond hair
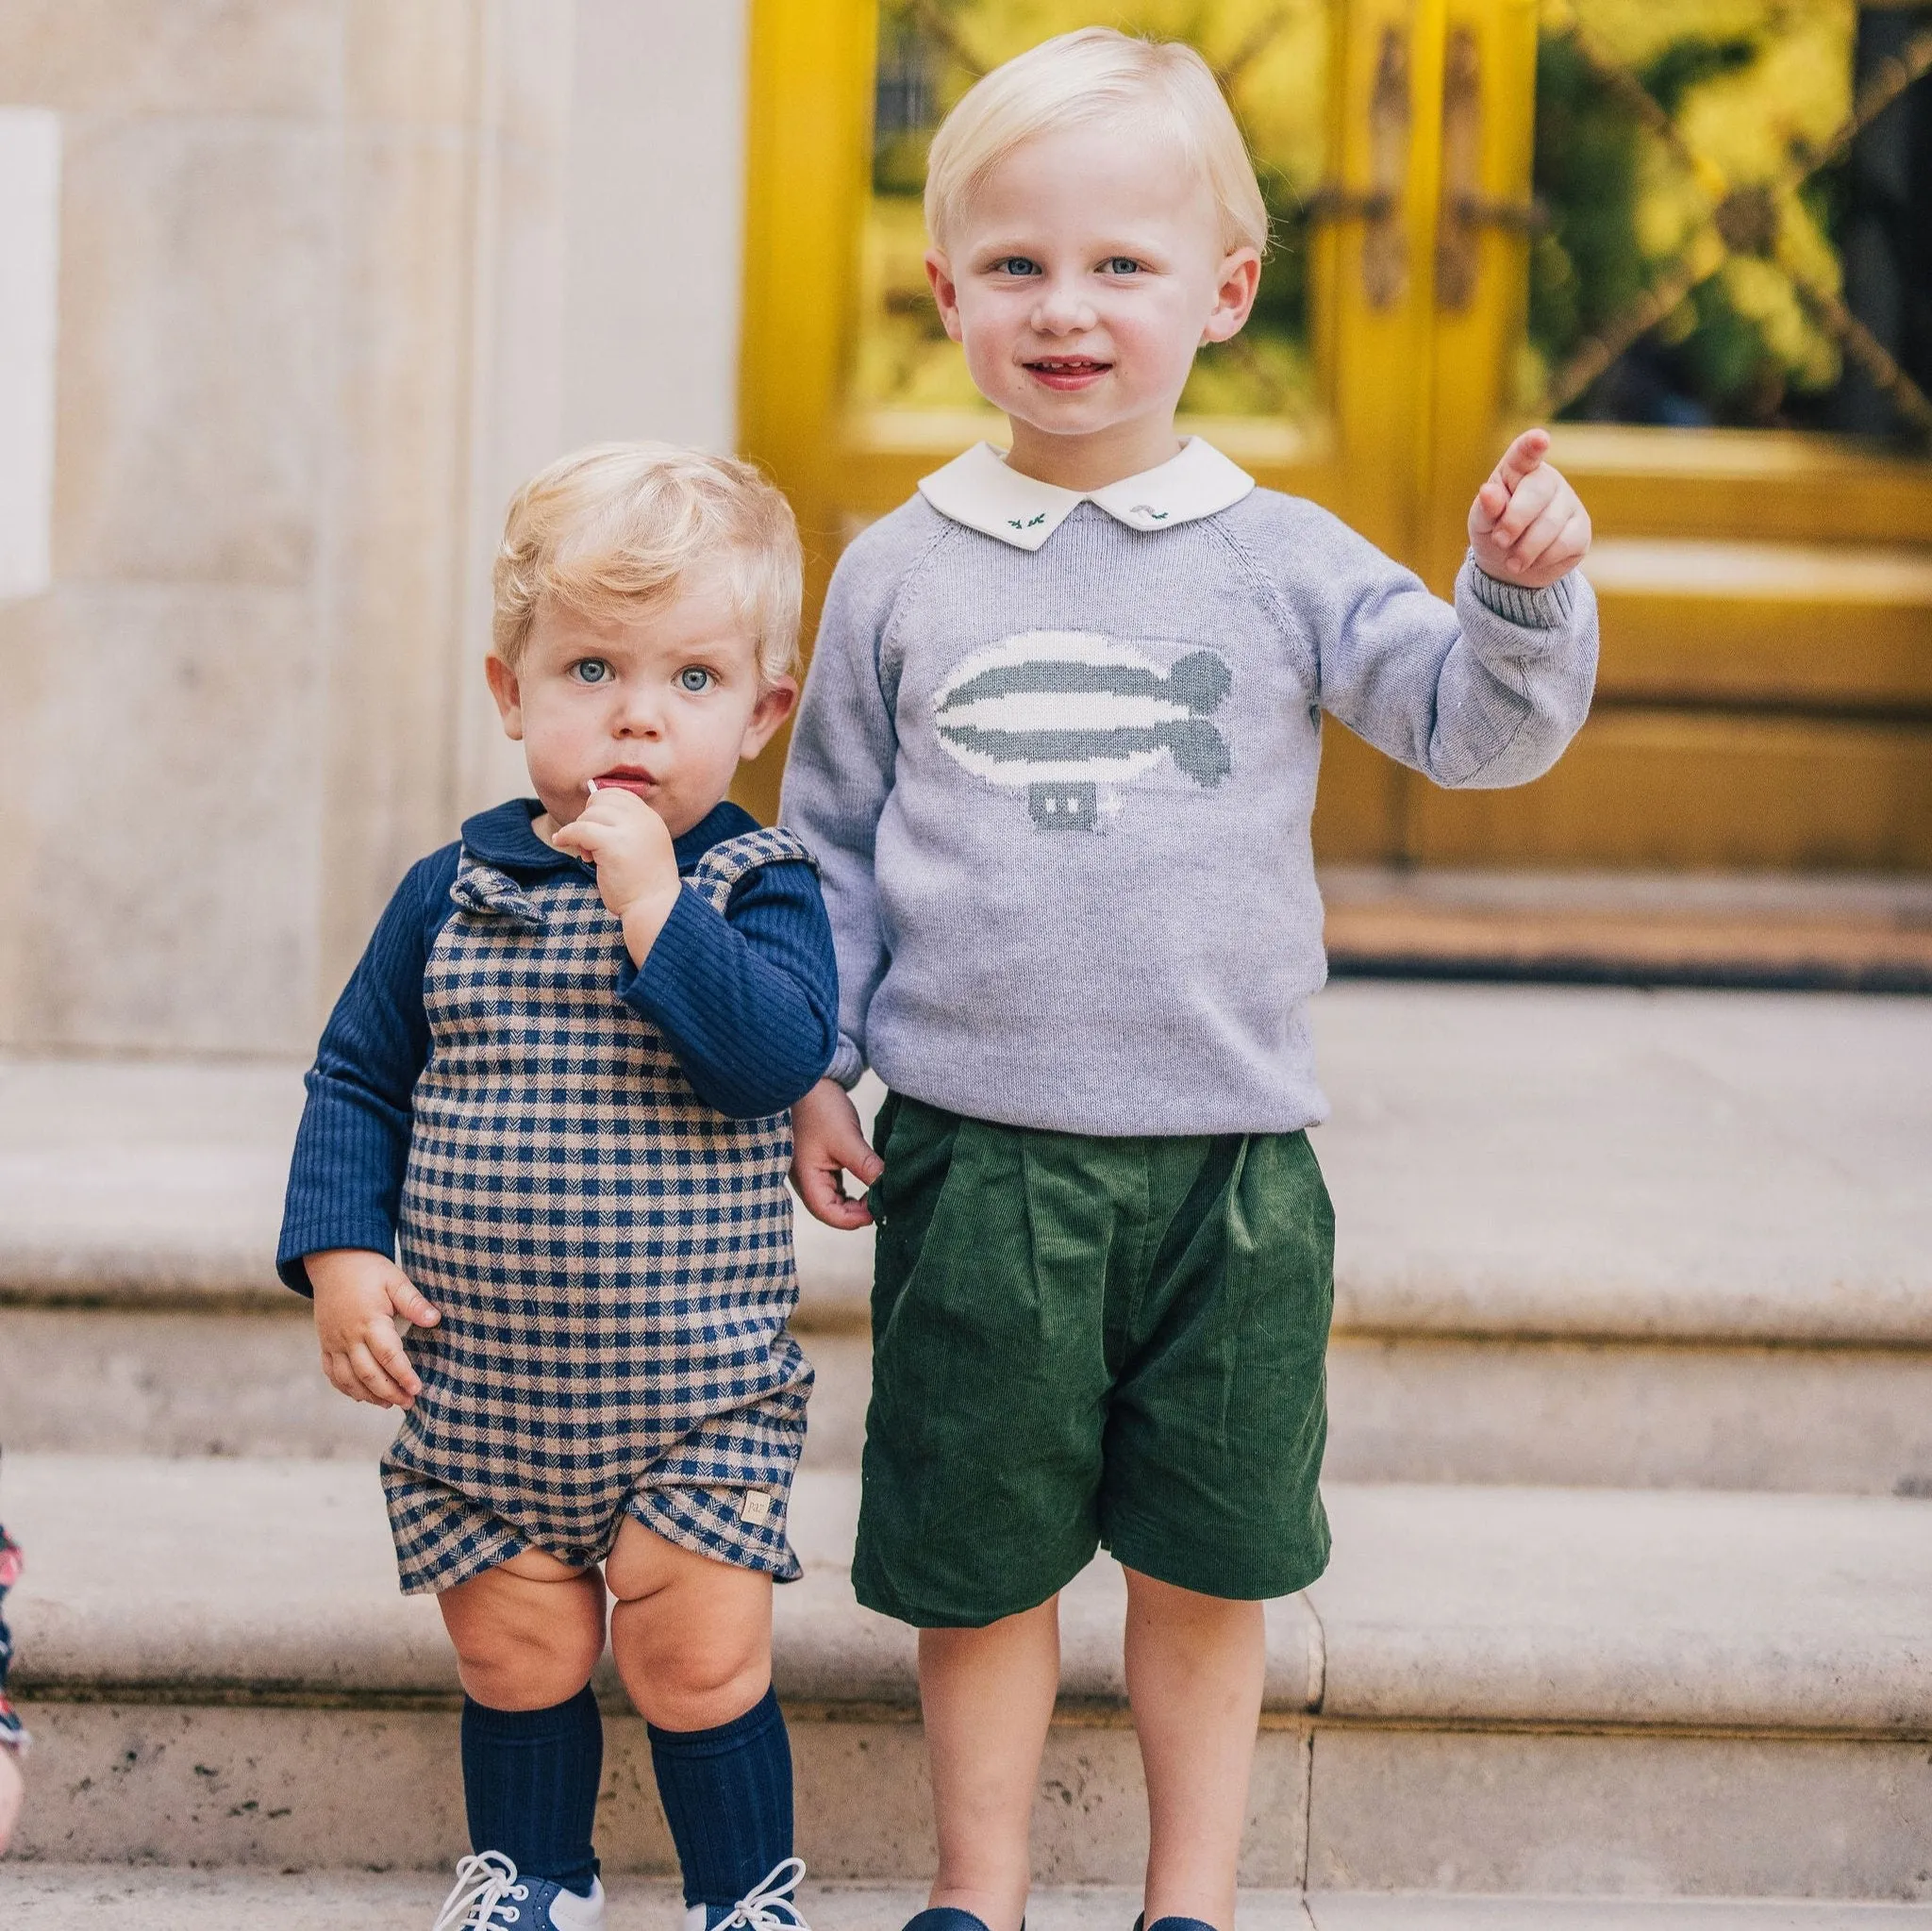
1057,757
559,1079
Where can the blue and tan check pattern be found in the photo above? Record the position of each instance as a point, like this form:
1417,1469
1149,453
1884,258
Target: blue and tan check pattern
613,1257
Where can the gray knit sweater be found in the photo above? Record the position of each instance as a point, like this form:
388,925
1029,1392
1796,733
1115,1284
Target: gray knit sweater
1061,796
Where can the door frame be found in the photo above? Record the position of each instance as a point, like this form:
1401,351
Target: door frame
1415,397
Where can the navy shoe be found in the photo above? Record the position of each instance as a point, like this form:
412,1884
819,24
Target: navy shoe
769,1906
489,1895
947,1918
1173,1924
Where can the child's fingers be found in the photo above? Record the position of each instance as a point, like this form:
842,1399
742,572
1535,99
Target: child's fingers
1492,500
823,1190
1527,502
407,1299
368,1372
386,1345
1573,546
342,1377
829,1142
619,804
845,1142
1498,498
1563,553
1521,458
612,810
1528,549
839,1210
595,837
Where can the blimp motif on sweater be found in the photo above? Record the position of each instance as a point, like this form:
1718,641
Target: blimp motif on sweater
1069,716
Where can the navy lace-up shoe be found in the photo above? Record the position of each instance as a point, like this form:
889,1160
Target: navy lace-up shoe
489,1895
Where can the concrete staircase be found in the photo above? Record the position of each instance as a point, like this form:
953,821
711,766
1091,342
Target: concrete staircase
1631,1609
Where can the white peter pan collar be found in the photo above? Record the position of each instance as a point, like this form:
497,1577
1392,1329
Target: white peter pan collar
979,490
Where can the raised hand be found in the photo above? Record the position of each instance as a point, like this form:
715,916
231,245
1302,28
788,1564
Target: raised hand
827,1143
1528,525
358,1295
636,864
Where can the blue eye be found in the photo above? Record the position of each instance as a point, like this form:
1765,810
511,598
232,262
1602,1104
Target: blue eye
1017,264
1121,264
592,670
695,677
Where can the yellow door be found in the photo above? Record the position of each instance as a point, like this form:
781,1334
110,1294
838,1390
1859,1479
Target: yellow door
1489,211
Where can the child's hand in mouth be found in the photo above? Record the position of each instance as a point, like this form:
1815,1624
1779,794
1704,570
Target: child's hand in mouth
630,846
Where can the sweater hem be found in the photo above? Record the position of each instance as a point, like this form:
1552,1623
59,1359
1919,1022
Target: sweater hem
1006,1105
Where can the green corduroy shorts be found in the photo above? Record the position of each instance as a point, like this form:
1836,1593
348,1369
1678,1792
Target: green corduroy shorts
1080,1341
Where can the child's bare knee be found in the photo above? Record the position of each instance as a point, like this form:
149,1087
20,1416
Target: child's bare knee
1153,1599
522,1644
684,1676
521,1669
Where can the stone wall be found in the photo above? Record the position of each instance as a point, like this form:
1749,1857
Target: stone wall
333,275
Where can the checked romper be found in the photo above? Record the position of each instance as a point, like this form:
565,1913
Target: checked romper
611,1258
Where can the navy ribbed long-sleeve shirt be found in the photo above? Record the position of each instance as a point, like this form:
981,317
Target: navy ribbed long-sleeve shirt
747,1001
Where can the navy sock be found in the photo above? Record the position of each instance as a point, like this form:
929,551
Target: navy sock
530,1781
727,1798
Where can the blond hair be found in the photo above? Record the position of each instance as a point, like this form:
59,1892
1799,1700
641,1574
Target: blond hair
622,526
1096,75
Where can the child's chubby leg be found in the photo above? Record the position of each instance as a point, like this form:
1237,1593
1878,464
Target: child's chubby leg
527,1635
692,1637
988,1697
1195,1675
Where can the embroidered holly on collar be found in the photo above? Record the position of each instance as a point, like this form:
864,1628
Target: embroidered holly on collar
1018,524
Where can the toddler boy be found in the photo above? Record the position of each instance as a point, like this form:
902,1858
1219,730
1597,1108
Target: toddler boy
560,1079
1057,757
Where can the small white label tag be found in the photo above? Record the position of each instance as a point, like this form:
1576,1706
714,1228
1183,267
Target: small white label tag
756,1508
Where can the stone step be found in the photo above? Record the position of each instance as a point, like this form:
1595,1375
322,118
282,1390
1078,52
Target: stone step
1848,934
1532,1162
147,1184
57,1897
1493,1690
1417,1408
228,1382
1585,1237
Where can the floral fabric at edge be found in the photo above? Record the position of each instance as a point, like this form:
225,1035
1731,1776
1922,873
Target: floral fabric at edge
12,1733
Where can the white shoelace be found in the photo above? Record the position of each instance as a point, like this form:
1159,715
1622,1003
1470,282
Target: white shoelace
770,1905
483,1883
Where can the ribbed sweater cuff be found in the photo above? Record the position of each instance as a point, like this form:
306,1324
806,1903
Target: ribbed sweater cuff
1535,609
848,1064
316,1235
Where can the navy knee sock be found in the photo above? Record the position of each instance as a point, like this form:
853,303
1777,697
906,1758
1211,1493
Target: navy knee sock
530,1781
727,1798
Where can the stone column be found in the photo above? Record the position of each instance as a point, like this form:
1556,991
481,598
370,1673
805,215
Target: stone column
310,299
